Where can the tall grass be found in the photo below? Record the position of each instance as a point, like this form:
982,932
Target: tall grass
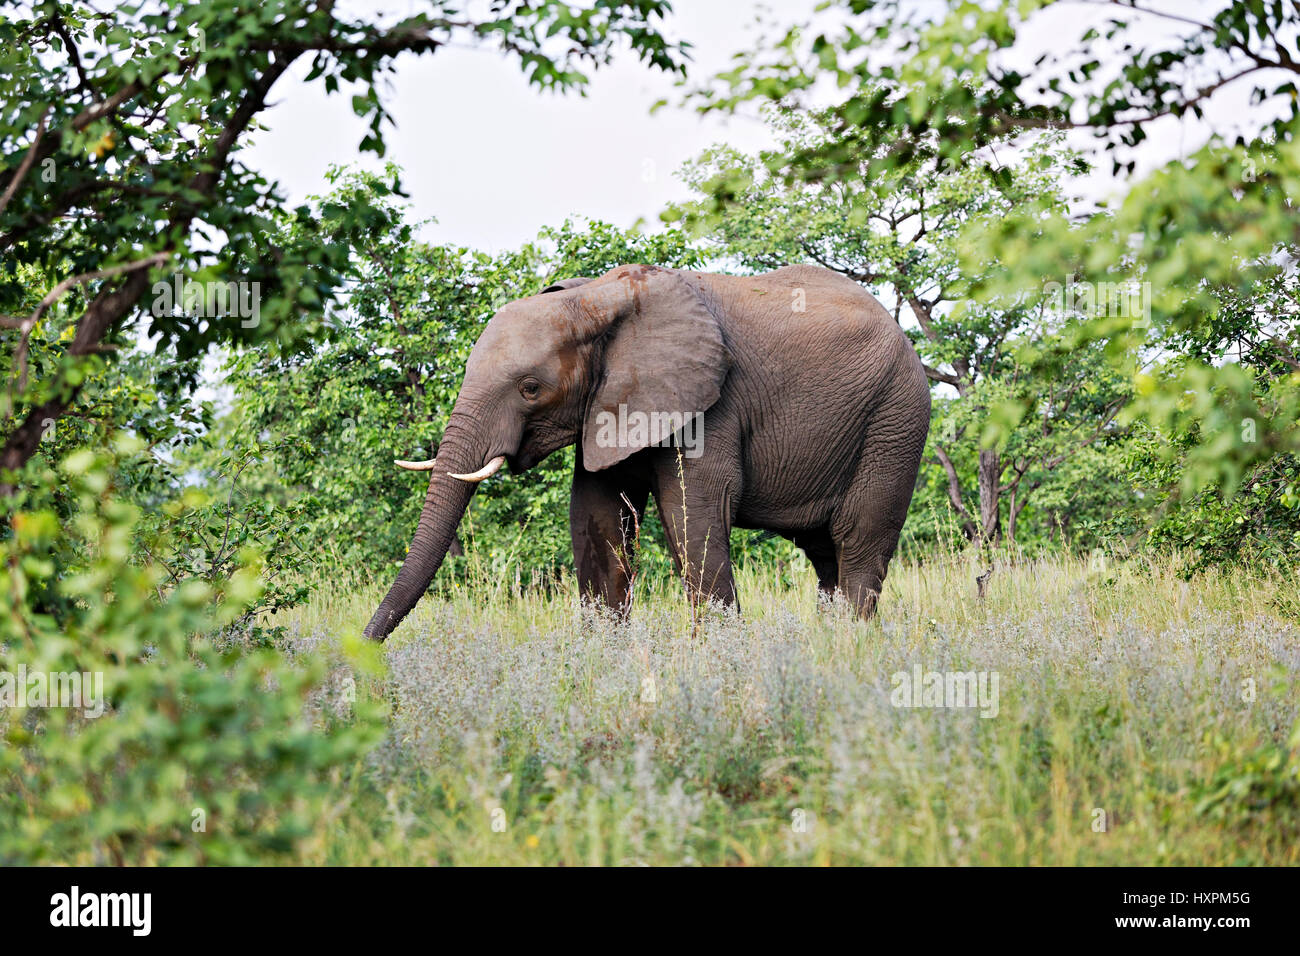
1141,719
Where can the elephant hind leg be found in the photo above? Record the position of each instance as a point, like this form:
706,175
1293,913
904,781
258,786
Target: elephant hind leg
605,511
867,524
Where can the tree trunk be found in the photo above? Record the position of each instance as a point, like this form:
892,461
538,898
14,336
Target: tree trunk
1013,512
990,474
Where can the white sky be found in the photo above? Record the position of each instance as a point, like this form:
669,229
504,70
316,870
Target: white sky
494,159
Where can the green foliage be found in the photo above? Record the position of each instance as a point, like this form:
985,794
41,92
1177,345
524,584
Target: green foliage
141,392
184,748
1231,384
209,535
1259,525
1253,786
593,248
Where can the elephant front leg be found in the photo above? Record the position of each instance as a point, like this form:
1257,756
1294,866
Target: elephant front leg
605,511
697,520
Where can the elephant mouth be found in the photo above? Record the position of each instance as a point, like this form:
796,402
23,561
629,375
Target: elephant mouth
522,460
536,446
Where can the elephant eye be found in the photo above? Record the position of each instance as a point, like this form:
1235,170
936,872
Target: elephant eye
530,388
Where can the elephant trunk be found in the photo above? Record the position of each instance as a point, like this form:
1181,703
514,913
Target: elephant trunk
444,505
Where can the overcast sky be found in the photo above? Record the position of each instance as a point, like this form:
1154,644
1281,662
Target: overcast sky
494,159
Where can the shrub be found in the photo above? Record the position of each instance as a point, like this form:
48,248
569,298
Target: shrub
203,752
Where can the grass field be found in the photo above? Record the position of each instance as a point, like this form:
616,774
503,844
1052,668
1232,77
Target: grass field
1140,719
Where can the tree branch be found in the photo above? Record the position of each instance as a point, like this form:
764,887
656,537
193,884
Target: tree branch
27,162
954,492
935,375
26,326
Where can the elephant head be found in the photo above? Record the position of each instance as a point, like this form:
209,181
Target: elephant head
638,338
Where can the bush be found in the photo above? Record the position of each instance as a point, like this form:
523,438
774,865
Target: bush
181,747
1257,526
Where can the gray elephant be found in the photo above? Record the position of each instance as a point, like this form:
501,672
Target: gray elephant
789,401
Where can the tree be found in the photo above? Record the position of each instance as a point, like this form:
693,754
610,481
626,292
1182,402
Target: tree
1254,339
119,141
898,229
939,83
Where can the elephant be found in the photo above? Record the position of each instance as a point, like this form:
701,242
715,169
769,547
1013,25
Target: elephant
789,401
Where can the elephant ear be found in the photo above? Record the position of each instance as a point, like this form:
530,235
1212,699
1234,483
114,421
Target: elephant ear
664,360
565,284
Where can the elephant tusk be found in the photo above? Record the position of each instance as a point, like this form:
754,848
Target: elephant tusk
415,465
487,471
